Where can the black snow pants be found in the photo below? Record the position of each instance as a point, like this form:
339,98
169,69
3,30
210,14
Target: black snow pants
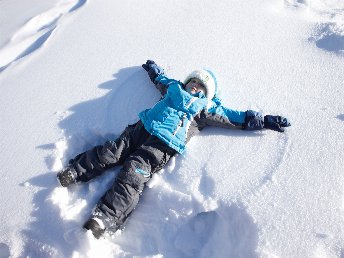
141,155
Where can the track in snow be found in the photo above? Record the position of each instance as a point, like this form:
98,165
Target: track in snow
35,33
328,34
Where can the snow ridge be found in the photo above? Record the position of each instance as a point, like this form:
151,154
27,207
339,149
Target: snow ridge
36,32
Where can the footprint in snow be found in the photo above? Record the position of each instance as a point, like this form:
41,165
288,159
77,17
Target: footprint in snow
329,37
34,33
294,3
340,117
227,232
207,185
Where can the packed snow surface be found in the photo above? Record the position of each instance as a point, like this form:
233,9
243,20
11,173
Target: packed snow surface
71,77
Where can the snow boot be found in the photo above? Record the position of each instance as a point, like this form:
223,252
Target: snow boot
96,226
67,176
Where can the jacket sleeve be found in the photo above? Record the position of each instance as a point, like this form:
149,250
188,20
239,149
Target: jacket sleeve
162,83
221,116
253,120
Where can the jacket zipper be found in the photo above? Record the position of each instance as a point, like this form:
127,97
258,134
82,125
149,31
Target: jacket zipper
181,122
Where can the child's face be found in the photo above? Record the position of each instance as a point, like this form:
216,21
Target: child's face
194,86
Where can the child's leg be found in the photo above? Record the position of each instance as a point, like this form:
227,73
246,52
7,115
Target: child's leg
118,202
95,161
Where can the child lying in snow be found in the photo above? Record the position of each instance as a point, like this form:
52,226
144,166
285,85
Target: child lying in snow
145,147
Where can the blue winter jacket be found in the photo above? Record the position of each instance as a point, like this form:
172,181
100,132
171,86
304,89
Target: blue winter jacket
179,115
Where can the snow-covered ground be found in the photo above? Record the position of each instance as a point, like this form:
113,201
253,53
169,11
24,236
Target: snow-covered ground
70,77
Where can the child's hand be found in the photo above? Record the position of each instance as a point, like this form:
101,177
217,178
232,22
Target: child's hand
275,123
153,69
147,65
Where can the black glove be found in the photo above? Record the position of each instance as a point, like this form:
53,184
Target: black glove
153,69
147,65
275,123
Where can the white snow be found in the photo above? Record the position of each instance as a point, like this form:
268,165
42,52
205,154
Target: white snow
70,78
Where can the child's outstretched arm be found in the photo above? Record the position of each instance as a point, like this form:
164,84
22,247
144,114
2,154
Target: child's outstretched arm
221,116
157,76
